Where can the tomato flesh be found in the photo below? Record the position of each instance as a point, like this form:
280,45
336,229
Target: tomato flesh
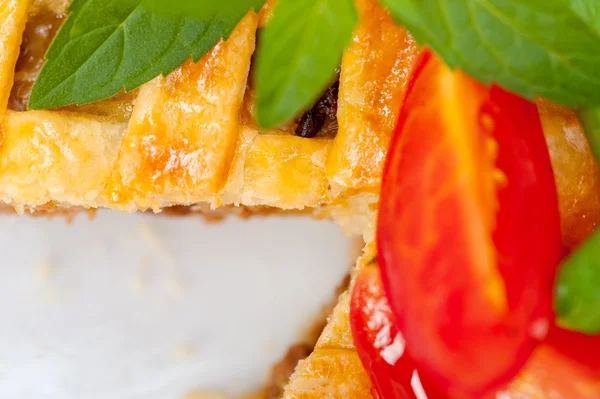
468,230
565,366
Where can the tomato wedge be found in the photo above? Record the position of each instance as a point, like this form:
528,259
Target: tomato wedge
381,346
468,230
566,365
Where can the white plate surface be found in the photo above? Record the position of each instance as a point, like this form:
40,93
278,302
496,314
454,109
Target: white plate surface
145,306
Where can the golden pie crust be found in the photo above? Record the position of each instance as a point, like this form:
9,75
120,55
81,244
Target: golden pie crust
189,140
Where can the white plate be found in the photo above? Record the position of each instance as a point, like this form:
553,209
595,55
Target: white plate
145,306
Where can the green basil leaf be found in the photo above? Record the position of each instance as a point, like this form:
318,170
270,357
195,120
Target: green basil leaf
534,47
577,297
106,46
298,54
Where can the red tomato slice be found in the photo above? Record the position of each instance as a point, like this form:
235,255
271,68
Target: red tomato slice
565,366
468,229
381,347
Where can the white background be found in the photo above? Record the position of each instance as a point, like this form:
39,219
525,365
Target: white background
145,306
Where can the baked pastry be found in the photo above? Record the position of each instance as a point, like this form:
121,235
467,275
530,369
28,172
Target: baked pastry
190,139
146,150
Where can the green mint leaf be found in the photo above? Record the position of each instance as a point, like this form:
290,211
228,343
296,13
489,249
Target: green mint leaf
577,297
298,54
201,8
106,46
534,47
590,119
588,10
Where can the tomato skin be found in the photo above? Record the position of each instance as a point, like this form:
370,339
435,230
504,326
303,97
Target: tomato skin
380,344
468,229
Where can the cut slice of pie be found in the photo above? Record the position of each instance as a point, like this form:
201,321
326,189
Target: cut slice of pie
190,140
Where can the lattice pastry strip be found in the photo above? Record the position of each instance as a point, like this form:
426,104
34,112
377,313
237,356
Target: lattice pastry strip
182,135
373,73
